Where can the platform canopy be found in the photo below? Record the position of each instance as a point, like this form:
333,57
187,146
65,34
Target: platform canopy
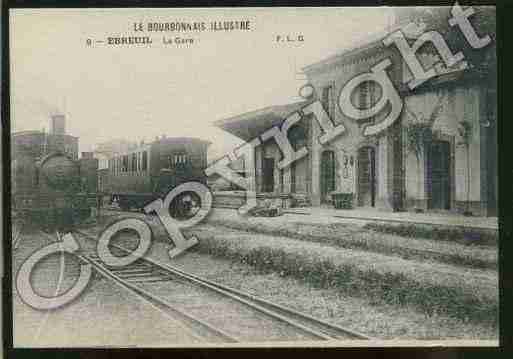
250,125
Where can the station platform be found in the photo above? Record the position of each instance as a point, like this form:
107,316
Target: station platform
426,218
326,215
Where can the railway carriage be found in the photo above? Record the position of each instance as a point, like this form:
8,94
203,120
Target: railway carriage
150,171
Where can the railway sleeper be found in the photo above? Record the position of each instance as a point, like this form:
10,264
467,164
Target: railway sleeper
145,280
139,275
133,271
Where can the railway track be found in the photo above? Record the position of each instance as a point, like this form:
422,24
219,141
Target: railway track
217,312
16,234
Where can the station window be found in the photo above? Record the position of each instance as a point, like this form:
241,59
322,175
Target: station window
297,136
366,98
327,99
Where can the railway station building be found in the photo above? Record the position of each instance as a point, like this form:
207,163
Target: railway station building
454,171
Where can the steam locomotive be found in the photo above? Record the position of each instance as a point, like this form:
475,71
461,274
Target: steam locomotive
138,176
55,191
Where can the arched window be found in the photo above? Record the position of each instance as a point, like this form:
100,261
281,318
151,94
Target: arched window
297,137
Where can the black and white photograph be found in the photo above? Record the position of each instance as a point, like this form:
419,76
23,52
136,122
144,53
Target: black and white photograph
262,177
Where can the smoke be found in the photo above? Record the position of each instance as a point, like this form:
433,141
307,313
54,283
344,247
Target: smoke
49,109
33,114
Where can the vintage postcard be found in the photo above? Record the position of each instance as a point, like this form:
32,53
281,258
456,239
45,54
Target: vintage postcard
198,177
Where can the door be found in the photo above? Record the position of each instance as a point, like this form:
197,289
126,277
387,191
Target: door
439,184
327,174
366,177
268,175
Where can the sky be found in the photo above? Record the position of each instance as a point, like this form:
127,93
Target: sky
140,92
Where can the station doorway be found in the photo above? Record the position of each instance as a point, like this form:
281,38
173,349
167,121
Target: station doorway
439,175
268,175
327,175
366,177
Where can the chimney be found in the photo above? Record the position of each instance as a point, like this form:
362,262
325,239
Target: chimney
58,124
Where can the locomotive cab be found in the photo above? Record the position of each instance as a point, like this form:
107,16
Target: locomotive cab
58,198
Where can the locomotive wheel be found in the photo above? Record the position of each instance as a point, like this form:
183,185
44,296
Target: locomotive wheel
185,206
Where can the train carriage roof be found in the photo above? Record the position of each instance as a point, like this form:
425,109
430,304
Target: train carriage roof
165,140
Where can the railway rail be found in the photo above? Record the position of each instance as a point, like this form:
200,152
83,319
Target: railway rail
16,233
215,311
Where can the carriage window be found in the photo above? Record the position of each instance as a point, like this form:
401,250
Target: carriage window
125,163
134,162
144,161
179,159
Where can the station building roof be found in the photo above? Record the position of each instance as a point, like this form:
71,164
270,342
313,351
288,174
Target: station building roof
250,125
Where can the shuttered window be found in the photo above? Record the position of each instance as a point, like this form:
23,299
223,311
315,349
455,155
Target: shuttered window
327,100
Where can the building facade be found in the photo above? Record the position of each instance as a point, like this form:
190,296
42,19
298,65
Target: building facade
451,167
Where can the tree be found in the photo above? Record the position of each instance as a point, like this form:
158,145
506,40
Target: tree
419,135
465,132
483,62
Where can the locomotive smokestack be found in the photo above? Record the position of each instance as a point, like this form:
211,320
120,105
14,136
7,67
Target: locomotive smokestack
58,124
